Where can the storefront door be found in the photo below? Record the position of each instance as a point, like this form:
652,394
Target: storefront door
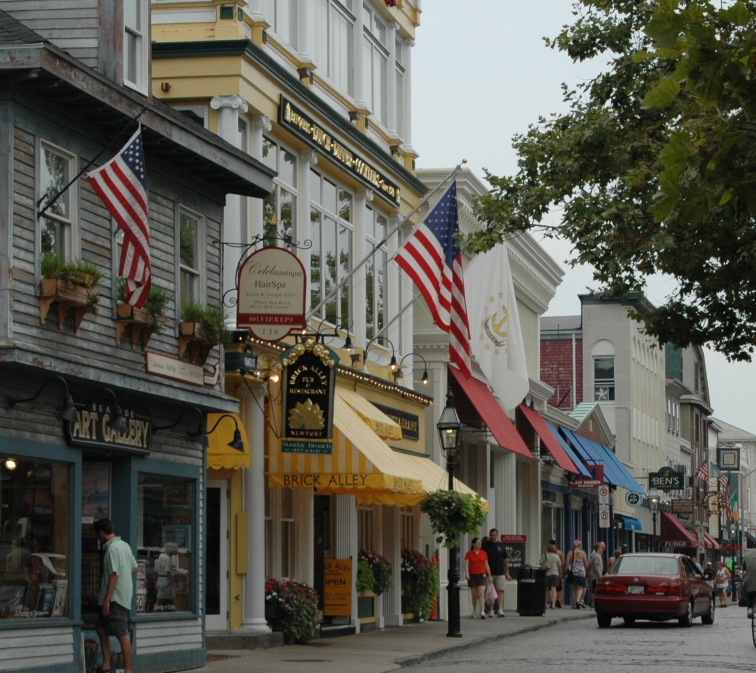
217,555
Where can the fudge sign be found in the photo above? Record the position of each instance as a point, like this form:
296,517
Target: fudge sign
271,288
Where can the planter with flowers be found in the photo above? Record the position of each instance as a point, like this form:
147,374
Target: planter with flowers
419,584
201,329
71,285
373,579
292,608
453,514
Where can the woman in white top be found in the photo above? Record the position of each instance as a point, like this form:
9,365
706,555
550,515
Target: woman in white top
553,565
722,583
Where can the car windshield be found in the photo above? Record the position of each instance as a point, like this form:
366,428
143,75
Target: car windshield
645,565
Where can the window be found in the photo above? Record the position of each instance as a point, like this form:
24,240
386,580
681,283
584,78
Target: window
282,17
331,215
165,542
330,42
696,377
34,534
365,528
375,65
603,379
135,17
287,532
56,168
375,274
280,206
407,513
191,232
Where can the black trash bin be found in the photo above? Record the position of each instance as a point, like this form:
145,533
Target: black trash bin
531,591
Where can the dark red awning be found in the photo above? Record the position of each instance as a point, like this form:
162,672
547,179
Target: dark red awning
491,413
535,420
710,542
674,534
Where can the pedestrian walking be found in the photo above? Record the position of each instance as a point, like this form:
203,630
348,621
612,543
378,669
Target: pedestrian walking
708,574
613,559
749,580
596,567
553,565
722,583
498,562
477,574
737,580
116,591
576,564
561,559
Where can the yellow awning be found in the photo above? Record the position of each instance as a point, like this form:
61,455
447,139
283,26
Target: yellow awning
361,463
381,424
220,455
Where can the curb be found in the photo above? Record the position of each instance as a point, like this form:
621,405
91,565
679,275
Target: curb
484,640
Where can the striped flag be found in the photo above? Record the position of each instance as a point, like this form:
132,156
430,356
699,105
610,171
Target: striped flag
703,471
122,186
431,258
724,487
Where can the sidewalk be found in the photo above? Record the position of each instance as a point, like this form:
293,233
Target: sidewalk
387,650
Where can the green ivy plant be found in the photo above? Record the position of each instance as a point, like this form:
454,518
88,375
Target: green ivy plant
380,568
453,514
365,577
420,576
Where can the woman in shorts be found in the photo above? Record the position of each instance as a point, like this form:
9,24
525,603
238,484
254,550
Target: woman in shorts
477,574
577,562
553,565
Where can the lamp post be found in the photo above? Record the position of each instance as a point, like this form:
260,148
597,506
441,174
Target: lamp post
653,505
450,432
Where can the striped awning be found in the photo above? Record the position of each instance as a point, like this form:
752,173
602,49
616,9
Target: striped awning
379,422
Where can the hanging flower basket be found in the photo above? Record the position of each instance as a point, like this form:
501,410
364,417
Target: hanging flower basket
453,514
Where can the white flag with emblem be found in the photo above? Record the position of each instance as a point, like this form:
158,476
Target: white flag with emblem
495,334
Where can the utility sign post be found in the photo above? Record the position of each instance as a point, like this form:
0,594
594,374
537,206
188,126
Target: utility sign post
603,503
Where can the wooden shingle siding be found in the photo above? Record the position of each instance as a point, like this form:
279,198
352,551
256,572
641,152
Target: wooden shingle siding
20,648
170,636
70,26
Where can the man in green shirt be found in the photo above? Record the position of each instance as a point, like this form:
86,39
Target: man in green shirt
116,591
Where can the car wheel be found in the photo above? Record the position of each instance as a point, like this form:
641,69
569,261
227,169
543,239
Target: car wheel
604,621
629,620
687,620
708,618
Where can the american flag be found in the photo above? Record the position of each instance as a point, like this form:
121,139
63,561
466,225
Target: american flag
703,471
431,258
724,487
122,186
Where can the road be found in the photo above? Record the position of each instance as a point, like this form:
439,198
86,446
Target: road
581,647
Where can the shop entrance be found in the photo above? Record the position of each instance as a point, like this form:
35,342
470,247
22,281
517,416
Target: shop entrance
96,503
322,513
217,555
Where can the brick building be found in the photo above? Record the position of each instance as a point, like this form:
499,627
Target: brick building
562,360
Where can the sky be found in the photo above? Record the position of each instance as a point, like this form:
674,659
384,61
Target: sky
481,73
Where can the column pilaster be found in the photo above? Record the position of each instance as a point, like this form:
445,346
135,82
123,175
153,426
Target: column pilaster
346,543
392,599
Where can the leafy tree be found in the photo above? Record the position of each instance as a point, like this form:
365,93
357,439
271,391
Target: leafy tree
654,166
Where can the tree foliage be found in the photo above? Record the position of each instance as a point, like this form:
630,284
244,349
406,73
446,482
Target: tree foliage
653,168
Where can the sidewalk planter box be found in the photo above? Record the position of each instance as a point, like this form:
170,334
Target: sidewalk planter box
137,319
54,290
272,612
192,337
366,606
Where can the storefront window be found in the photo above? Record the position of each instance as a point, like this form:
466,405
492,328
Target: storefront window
34,539
165,539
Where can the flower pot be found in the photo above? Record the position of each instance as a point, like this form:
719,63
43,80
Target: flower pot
54,290
137,319
192,337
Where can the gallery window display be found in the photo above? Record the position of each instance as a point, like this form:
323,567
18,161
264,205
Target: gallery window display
34,539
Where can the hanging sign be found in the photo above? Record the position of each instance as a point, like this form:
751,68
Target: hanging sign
514,545
728,458
633,499
308,386
594,481
683,506
666,480
91,430
271,292
337,587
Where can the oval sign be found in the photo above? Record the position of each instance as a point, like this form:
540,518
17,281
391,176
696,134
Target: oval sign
272,288
633,499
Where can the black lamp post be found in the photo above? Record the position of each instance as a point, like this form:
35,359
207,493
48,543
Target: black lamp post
653,505
450,432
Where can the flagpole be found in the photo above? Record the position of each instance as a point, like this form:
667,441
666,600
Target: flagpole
397,316
84,170
378,245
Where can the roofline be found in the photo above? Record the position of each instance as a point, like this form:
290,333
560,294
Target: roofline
636,300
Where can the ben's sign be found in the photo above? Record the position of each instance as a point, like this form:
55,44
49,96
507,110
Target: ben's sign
666,480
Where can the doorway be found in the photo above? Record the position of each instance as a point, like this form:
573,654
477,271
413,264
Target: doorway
217,555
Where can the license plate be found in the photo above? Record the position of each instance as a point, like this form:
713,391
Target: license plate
634,589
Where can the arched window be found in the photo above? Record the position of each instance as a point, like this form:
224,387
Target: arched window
603,371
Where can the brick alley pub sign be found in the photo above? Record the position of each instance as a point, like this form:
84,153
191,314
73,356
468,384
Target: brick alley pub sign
91,431
305,127
666,480
309,381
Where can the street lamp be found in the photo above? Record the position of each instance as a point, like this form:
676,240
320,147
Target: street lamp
653,505
450,432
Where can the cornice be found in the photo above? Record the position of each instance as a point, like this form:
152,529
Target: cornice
530,287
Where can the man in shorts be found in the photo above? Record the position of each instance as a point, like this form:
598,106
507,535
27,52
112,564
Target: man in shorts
116,591
498,561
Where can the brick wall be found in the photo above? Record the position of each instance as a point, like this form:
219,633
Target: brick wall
556,370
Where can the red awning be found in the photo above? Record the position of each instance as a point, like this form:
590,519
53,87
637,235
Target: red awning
491,413
710,542
535,420
674,534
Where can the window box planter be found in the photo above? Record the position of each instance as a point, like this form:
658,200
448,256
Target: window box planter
192,338
138,320
366,606
56,290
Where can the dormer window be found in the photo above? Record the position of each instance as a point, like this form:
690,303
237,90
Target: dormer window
135,43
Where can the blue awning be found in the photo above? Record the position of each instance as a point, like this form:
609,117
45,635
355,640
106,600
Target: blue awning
568,450
631,523
597,454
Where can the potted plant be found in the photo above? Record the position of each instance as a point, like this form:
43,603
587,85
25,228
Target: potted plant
292,608
143,321
453,514
201,329
420,581
71,284
380,569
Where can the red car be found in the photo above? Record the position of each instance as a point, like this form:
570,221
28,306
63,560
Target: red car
657,587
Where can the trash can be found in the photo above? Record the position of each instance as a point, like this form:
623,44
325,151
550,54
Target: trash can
531,591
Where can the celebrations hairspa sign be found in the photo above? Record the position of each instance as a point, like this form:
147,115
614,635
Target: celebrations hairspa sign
302,125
